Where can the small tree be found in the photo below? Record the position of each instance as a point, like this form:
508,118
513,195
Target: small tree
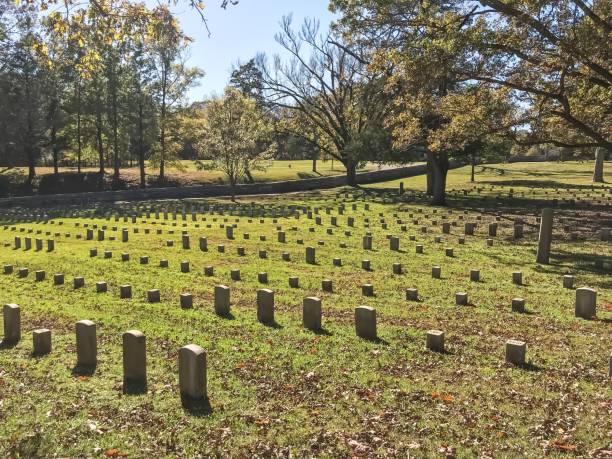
232,135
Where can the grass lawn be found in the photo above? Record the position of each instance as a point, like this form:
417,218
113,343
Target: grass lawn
280,391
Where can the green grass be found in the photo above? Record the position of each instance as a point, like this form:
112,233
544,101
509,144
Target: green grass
280,391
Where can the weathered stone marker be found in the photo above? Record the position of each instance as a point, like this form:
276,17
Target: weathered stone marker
101,287
515,352
517,278
125,291
310,256
518,305
311,313
222,300
412,294
265,306
435,340
86,344
586,303
58,279
568,281
186,300
365,322
11,315
461,298
546,224
192,373
153,296
134,361
41,341
327,285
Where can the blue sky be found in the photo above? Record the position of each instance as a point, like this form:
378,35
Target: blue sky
238,33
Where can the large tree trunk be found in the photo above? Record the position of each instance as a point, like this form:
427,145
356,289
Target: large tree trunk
141,149
351,173
78,128
54,151
473,164
430,176
598,174
440,169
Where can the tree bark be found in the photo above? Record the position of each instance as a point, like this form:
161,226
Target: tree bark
78,125
600,156
54,151
100,142
141,159
351,173
430,176
440,169
473,164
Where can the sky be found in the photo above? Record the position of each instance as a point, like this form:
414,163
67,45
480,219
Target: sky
239,33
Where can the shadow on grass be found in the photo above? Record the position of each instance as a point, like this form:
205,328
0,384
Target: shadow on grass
227,316
274,324
4,345
196,407
83,370
322,332
532,367
134,387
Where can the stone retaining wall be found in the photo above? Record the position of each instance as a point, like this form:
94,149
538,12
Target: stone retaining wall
208,191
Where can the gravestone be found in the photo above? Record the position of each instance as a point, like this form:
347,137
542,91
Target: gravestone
86,344
186,300
518,305
125,291
192,372
412,294
435,341
586,303
41,341
11,315
310,255
365,322
78,282
222,300
153,296
101,287
461,298
134,361
311,313
515,352
265,306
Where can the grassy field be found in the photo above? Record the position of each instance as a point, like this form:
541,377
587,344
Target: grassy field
281,391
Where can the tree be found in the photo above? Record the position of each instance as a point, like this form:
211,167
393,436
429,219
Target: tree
167,48
552,57
331,90
233,131
248,79
435,110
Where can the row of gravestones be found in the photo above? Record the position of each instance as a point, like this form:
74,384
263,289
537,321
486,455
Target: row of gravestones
192,364
585,304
